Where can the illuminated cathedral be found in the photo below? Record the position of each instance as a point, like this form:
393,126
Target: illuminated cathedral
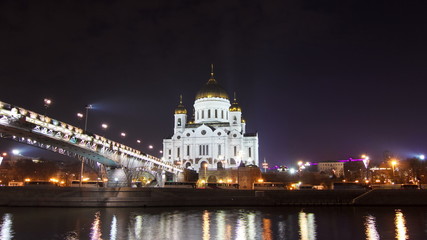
215,137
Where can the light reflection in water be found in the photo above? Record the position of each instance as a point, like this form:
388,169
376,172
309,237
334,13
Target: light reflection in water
371,228
266,233
95,233
113,232
206,233
6,232
220,222
400,222
240,228
138,227
307,226
251,225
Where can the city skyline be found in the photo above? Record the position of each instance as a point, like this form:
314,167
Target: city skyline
316,82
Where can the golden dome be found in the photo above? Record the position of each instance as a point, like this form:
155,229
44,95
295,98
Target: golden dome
243,120
180,109
212,89
235,106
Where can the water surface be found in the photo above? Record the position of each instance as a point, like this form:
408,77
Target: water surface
214,223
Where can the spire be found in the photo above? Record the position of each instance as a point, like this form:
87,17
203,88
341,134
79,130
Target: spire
180,109
212,70
235,98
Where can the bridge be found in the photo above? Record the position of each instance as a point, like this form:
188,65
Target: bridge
122,162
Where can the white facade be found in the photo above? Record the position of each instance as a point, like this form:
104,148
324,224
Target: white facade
336,168
216,138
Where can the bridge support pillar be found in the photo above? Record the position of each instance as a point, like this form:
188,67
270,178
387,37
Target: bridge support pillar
117,177
179,177
161,178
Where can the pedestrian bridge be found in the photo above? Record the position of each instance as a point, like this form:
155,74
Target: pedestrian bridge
122,162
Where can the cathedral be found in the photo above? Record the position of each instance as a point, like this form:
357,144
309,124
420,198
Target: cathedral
215,137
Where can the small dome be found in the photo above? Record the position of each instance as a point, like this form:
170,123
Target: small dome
212,89
180,109
235,106
243,120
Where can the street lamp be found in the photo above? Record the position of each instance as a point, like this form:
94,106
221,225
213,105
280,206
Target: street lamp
393,164
422,157
87,113
123,134
104,126
138,141
47,102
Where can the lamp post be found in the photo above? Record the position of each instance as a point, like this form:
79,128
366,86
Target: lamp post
393,164
47,102
87,113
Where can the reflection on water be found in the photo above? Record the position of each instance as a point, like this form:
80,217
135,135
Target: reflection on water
307,226
113,232
401,231
371,228
211,223
206,233
96,228
6,227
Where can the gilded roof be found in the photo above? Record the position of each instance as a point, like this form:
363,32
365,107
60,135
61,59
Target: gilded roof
212,89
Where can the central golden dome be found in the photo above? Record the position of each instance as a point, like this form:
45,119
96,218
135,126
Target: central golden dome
212,89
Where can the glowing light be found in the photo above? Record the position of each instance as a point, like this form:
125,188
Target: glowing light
27,180
6,231
422,157
47,102
138,141
113,231
150,146
80,115
16,152
123,134
356,181
307,226
4,154
370,228
394,163
260,180
400,223
104,126
300,163
95,232
206,233
266,229
53,180
292,171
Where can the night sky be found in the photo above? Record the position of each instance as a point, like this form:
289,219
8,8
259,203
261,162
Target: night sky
318,80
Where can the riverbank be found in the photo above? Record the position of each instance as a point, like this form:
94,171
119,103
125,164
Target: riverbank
176,197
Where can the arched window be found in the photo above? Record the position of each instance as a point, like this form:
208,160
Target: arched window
179,122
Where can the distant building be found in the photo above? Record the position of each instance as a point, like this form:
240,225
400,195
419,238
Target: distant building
332,168
215,137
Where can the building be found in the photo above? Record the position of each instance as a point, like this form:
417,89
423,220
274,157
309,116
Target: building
333,168
215,137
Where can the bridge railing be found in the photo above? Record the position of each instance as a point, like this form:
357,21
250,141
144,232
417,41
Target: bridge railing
74,135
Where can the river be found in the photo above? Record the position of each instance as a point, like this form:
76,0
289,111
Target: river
214,223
